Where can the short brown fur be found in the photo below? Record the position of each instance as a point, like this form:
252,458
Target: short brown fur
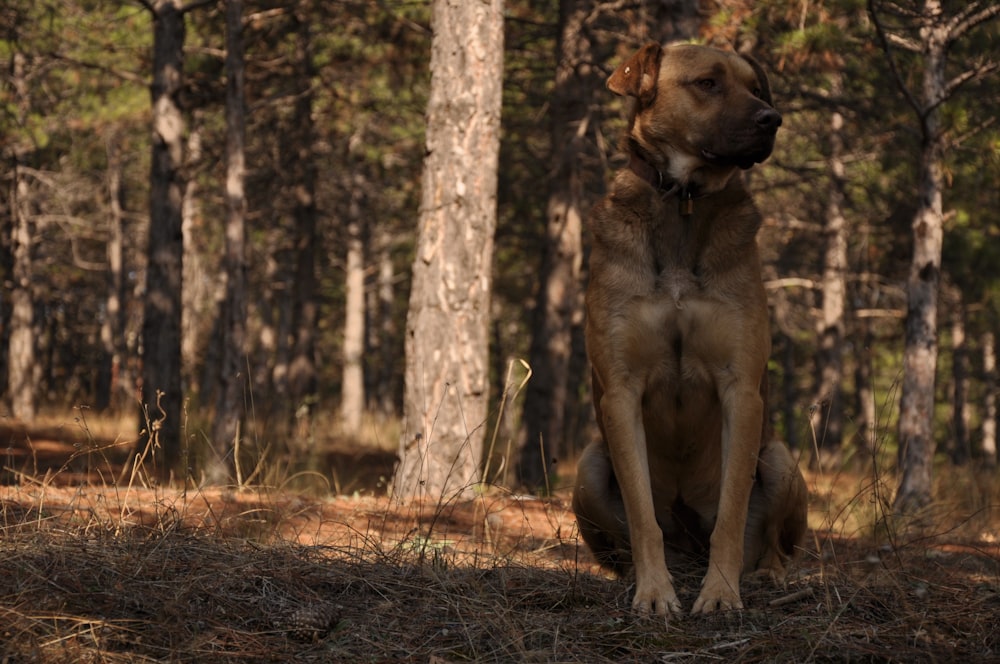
678,337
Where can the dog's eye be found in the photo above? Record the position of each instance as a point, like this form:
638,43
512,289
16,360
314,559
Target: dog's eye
757,92
705,83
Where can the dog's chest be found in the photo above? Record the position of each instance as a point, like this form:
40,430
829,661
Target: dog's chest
673,321
676,286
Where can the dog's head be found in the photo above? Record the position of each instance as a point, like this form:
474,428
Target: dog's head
698,109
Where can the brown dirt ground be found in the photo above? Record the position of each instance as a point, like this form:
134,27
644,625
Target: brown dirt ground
95,571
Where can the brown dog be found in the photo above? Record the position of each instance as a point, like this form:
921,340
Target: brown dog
678,336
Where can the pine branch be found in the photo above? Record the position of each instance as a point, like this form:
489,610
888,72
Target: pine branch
120,74
978,129
982,70
904,43
971,17
196,4
893,67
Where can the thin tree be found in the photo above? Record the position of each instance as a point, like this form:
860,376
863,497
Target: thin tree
113,325
576,177
229,409
989,416
302,373
937,32
447,327
162,398
826,417
161,334
352,393
21,351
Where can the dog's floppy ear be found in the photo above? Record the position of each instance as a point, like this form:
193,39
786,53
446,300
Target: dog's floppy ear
765,86
637,76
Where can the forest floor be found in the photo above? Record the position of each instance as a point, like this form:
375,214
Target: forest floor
113,570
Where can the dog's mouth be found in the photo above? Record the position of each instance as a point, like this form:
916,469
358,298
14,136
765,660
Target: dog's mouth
744,161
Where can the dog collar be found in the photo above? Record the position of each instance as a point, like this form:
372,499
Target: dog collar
667,188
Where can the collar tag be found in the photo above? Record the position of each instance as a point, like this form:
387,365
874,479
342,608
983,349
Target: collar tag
686,201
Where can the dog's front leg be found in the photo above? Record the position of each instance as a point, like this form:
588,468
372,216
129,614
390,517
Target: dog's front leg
743,409
626,438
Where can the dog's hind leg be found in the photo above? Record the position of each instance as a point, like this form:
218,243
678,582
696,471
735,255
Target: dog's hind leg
777,518
600,512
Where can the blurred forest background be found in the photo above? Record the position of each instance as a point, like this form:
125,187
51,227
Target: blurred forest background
335,112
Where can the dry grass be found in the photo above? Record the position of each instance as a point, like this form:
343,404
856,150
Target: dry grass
105,573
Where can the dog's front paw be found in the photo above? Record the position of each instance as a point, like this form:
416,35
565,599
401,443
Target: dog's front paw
718,594
656,598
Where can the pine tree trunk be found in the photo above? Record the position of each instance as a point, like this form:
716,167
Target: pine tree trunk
161,330
305,308
916,416
203,285
21,383
960,444
229,411
352,394
385,379
827,415
989,425
113,325
21,352
447,335
865,394
576,181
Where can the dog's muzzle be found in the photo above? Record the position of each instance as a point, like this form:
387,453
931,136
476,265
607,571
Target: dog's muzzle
758,143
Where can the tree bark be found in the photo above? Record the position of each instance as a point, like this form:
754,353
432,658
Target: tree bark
827,415
916,416
229,411
577,174
305,308
937,33
203,284
352,393
989,419
21,352
113,325
384,330
21,383
162,400
960,448
447,329
865,394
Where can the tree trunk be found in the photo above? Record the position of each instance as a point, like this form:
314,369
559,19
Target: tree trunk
960,446
162,400
938,32
827,415
577,174
447,335
305,308
865,394
916,417
204,285
352,392
229,411
21,353
989,425
385,330
113,325
21,383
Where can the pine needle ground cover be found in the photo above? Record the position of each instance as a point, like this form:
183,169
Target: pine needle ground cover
116,574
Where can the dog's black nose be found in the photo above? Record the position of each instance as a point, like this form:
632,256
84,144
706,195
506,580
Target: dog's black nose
768,118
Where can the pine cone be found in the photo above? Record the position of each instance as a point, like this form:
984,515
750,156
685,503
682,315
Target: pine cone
310,623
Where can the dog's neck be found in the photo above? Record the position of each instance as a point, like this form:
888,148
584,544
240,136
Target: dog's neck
667,185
